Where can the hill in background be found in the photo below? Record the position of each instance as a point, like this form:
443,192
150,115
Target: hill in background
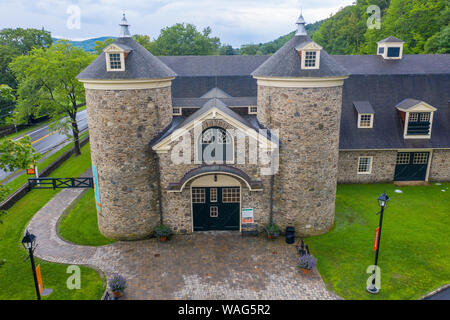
87,45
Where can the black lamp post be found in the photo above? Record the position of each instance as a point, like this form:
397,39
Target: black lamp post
29,243
382,201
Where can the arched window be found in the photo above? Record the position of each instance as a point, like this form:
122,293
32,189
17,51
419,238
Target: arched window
215,146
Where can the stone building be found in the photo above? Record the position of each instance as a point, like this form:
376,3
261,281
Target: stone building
214,142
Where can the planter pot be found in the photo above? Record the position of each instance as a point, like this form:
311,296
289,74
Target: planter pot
117,294
269,236
306,271
163,239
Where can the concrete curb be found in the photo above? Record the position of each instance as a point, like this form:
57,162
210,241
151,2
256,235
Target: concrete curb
432,293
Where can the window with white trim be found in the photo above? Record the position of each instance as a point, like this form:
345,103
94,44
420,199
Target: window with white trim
310,59
176,111
365,120
252,110
420,158
365,165
213,212
231,195
198,195
403,157
213,195
114,61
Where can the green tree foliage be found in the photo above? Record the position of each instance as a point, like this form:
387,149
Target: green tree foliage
24,40
440,42
184,39
15,154
227,50
100,45
47,82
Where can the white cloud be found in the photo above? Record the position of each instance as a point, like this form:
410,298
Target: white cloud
234,21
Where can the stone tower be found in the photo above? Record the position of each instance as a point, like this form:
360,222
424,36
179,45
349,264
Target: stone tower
300,94
128,99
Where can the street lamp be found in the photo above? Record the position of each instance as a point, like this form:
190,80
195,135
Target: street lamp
29,243
382,201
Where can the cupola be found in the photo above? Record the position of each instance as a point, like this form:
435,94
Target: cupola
390,48
116,53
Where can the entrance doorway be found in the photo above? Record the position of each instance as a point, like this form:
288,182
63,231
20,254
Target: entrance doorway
216,208
411,166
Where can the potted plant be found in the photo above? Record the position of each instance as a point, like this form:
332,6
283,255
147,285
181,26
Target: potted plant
163,232
307,262
272,230
117,284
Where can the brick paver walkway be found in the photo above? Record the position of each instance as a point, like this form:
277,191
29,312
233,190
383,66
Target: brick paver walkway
220,265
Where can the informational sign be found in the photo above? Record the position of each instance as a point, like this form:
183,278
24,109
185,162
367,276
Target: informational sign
31,171
96,190
247,215
377,235
39,278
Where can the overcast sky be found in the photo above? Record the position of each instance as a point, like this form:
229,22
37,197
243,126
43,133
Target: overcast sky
234,21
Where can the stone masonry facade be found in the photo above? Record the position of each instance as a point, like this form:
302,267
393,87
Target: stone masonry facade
121,124
440,168
308,121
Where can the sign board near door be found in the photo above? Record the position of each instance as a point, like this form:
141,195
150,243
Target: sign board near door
247,215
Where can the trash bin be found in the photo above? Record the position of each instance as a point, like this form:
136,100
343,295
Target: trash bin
290,235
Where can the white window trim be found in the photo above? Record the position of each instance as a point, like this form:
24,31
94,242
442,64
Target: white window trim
405,132
370,166
176,111
317,66
250,110
371,120
196,150
386,47
108,61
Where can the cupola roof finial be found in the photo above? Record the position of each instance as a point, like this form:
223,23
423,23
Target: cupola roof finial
124,31
301,30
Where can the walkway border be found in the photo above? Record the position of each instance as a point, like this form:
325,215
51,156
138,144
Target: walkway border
432,293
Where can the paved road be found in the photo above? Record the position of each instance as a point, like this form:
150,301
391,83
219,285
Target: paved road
441,295
44,140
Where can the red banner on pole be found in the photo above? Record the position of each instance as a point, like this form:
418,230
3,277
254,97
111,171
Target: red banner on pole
375,244
39,278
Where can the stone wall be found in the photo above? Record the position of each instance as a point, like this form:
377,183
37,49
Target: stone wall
121,124
383,166
176,206
308,121
440,166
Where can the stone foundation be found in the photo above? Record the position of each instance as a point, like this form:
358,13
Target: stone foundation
440,166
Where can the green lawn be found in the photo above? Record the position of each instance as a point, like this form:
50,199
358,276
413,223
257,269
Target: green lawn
80,224
16,279
415,241
23,178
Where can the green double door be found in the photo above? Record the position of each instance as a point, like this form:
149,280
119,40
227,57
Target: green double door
216,208
411,166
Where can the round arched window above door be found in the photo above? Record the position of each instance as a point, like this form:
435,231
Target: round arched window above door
215,146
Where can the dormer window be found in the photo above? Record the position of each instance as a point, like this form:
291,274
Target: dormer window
417,118
390,48
365,114
116,55
115,61
309,53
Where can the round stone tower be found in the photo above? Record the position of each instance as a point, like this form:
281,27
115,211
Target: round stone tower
300,95
128,99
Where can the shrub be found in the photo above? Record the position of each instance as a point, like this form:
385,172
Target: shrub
272,229
163,231
307,261
117,283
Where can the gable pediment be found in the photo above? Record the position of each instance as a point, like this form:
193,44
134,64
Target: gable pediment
309,46
114,48
410,105
214,114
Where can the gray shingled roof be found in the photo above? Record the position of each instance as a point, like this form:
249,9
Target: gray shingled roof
216,93
384,92
363,107
407,104
200,102
286,63
390,39
139,64
409,64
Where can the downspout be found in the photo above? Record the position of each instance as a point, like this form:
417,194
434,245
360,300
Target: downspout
272,177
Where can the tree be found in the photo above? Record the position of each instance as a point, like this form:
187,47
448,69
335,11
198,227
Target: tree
100,45
24,40
16,154
440,42
184,39
47,81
